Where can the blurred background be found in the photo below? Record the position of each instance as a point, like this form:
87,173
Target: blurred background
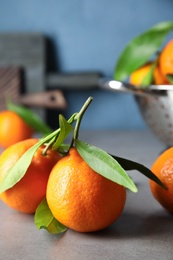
87,35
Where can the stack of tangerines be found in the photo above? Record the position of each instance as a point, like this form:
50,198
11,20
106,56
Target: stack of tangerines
77,196
163,68
70,186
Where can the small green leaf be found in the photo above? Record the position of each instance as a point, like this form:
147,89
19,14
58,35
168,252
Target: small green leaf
43,218
131,165
30,118
138,51
65,129
148,79
104,164
170,78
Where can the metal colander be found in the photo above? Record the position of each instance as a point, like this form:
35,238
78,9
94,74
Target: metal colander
155,104
157,112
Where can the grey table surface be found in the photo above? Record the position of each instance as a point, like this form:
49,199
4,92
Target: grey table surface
143,231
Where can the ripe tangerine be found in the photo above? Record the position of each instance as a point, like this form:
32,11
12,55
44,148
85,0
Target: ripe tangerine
163,169
82,199
13,129
137,77
26,195
166,59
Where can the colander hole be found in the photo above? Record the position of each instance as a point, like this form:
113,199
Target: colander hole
162,106
153,124
159,131
167,115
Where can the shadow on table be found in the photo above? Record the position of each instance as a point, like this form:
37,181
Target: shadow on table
134,225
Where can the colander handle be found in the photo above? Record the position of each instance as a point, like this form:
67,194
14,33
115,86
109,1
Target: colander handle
119,86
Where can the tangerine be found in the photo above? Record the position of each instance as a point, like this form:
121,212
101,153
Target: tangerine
26,195
159,78
166,59
137,77
82,199
13,129
163,169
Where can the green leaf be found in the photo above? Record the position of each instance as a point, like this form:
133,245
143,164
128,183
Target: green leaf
148,79
170,78
138,51
65,129
30,118
43,218
104,164
131,165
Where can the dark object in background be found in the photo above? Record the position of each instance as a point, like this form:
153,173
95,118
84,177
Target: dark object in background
36,56
27,52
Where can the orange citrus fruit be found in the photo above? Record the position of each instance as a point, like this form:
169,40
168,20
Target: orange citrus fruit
13,129
137,77
159,78
163,169
27,194
82,199
166,59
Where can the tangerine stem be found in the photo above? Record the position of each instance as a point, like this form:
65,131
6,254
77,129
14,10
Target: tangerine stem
79,118
48,145
52,137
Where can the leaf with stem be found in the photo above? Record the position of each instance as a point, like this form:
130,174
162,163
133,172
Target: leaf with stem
104,164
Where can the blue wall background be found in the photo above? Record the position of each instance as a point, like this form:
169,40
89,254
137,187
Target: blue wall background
89,35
